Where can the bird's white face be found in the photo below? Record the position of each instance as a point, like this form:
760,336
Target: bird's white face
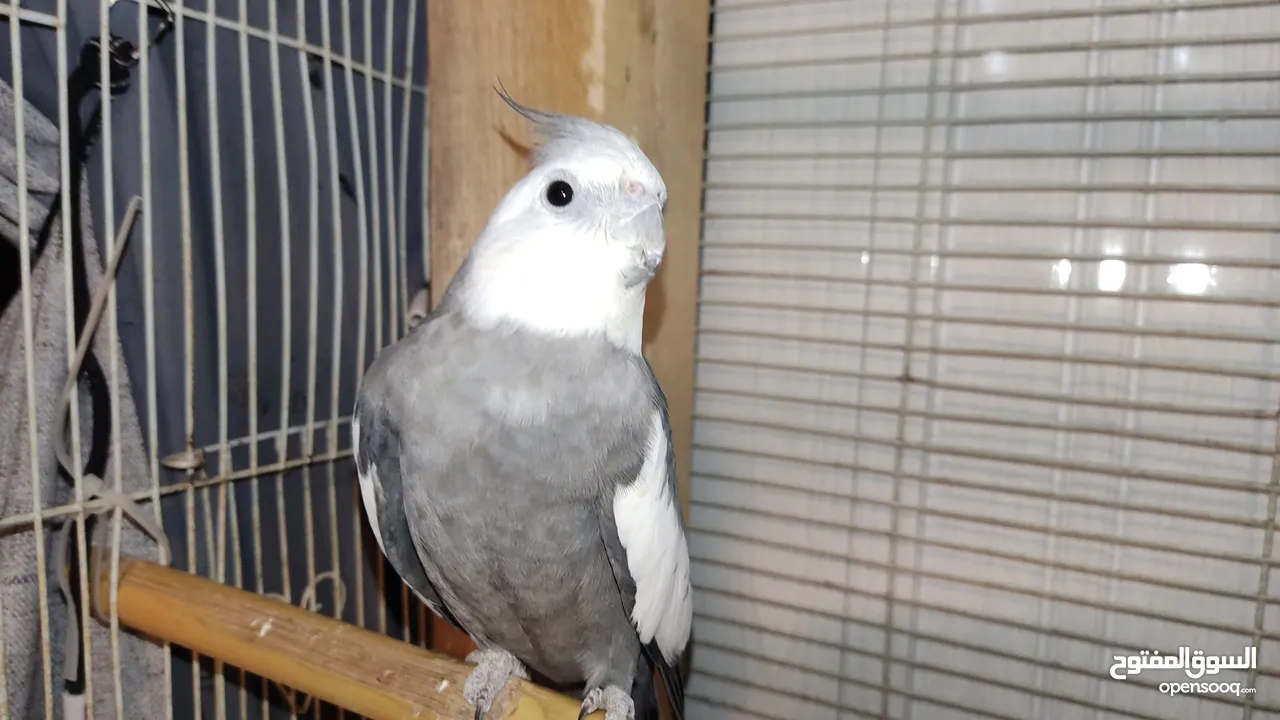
572,247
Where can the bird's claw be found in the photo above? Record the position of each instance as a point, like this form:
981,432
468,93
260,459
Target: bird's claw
493,668
616,703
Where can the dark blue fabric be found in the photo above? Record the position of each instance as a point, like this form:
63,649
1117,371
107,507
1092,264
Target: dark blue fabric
311,200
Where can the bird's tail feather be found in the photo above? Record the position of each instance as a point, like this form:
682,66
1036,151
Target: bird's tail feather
644,694
672,679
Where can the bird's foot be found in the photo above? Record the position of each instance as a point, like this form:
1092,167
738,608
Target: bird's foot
615,702
493,667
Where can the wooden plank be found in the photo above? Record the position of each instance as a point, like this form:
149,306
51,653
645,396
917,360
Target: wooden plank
356,669
635,64
681,29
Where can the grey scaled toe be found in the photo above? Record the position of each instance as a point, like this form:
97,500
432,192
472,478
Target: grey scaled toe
493,667
615,702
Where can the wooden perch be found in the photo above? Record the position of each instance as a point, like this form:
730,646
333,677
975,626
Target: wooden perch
356,669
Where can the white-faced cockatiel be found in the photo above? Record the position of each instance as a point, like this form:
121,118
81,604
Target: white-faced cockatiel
514,449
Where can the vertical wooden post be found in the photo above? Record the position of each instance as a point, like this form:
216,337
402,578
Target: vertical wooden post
678,117
639,65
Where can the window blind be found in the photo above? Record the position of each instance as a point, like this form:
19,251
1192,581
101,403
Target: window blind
987,382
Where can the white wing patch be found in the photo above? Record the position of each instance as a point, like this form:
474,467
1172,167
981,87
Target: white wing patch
368,484
657,553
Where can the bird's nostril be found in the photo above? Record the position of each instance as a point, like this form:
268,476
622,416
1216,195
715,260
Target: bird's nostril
634,187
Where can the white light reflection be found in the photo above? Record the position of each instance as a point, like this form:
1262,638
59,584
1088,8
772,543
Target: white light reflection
1111,275
866,257
1181,57
1062,272
995,62
1192,278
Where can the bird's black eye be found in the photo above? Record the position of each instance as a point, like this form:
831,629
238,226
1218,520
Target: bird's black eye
559,193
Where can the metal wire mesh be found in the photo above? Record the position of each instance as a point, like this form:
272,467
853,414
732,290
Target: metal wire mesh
985,387
985,384
278,153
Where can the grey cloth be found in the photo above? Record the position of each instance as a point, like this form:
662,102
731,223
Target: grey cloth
142,668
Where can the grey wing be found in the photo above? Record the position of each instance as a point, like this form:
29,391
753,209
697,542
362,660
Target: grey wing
376,444
643,533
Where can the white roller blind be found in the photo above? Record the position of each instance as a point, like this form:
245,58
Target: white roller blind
987,381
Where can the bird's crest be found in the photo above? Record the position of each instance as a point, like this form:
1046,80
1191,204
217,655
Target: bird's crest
562,135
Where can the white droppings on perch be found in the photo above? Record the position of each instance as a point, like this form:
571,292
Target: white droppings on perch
266,628
442,686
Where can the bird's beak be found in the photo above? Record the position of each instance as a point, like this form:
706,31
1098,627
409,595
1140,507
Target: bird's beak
644,234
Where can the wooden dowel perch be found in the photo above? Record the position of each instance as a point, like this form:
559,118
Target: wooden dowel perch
337,662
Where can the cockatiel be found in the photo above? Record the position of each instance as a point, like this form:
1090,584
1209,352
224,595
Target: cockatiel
514,450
